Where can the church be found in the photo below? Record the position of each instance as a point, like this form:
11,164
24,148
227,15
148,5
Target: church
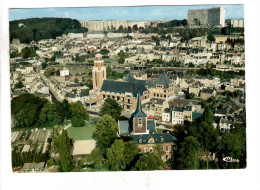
143,132
125,92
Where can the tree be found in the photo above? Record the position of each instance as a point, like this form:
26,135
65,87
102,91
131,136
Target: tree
122,56
76,80
148,161
25,110
78,114
112,108
96,158
115,156
187,154
211,38
63,146
122,155
19,84
51,114
104,51
27,52
205,132
105,132
233,145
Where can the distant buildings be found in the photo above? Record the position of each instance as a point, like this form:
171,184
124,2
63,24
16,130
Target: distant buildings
237,23
101,25
213,16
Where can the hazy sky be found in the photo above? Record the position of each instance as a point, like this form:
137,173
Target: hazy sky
122,13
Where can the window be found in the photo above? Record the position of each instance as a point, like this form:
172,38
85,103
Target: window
162,139
127,107
151,149
166,157
167,148
118,98
128,100
140,140
104,96
139,121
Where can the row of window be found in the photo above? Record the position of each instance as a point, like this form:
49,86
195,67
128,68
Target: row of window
155,149
160,95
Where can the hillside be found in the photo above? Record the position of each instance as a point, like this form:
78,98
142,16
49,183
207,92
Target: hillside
43,28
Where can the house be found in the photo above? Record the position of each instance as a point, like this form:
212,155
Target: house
206,93
142,131
33,167
195,88
226,124
166,115
177,115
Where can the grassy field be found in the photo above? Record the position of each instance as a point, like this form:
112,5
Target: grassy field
82,133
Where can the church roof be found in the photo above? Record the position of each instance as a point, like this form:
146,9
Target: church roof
151,126
138,112
130,78
158,138
123,87
163,80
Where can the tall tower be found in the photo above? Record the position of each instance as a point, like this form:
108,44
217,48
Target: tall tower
138,120
99,73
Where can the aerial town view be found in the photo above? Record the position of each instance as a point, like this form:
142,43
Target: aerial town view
129,94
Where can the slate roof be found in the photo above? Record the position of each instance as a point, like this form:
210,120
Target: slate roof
84,93
188,108
158,138
130,78
196,115
207,90
123,127
167,110
151,126
178,109
70,95
74,85
163,80
123,87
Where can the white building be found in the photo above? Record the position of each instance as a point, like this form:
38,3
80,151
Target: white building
64,72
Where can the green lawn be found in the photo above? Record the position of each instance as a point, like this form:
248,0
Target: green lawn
81,133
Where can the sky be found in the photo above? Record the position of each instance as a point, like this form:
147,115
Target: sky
121,13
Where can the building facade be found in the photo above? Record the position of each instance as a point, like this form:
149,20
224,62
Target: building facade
213,17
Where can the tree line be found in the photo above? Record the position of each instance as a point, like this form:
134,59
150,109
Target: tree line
31,111
35,29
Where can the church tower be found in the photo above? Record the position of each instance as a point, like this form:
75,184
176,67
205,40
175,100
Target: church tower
138,120
99,73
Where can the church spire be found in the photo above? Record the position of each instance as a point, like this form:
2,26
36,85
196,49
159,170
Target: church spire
138,112
139,106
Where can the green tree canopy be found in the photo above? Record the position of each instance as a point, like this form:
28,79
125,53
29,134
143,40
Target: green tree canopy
106,132
111,107
25,110
63,146
121,154
211,38
78,114
96,158
187,154
149,161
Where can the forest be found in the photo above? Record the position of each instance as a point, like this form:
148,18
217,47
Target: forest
35,29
